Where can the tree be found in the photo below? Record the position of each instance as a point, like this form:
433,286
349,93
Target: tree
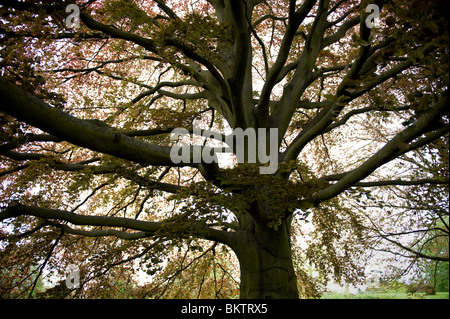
410,222
88,159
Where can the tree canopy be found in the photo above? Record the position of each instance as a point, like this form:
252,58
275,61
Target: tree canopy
356,91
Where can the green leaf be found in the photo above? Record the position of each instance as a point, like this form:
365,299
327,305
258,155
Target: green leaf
330,97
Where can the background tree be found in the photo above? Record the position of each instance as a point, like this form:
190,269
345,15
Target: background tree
411,221
87,176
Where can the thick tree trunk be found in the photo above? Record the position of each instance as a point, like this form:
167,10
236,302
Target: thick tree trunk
266,265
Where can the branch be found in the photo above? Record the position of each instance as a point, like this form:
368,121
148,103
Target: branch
160,85
402,182
311,130
149,132
341,31
41,268
303,76
322,122
183,96
351,113
261,43
385,154
16,210
416,253
295,19
96,170
26,107
101,64
146,43
190,53
13,170
27,138
383,77
167,10
267,16
242,61
66,35
151,45
199,230
101,233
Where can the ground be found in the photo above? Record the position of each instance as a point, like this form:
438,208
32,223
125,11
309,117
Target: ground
392,294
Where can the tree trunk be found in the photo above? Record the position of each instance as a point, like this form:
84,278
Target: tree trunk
265,262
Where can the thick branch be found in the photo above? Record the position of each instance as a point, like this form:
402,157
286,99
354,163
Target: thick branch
385,154
303,76
295,19
102,233
28,108
16,210
340,33
322,122
149,228
166,9
242,61
33,111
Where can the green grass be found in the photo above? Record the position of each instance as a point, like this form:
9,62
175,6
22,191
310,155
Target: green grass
386,295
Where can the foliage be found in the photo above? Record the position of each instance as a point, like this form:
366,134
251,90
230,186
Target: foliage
86,176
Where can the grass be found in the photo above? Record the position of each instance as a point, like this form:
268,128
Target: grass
386,295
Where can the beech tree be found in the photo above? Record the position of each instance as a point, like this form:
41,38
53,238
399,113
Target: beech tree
91,93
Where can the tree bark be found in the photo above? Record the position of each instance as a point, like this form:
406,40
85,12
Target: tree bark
265,262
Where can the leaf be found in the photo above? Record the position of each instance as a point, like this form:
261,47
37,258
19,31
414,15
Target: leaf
342,97
420,55
196,248
330,97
